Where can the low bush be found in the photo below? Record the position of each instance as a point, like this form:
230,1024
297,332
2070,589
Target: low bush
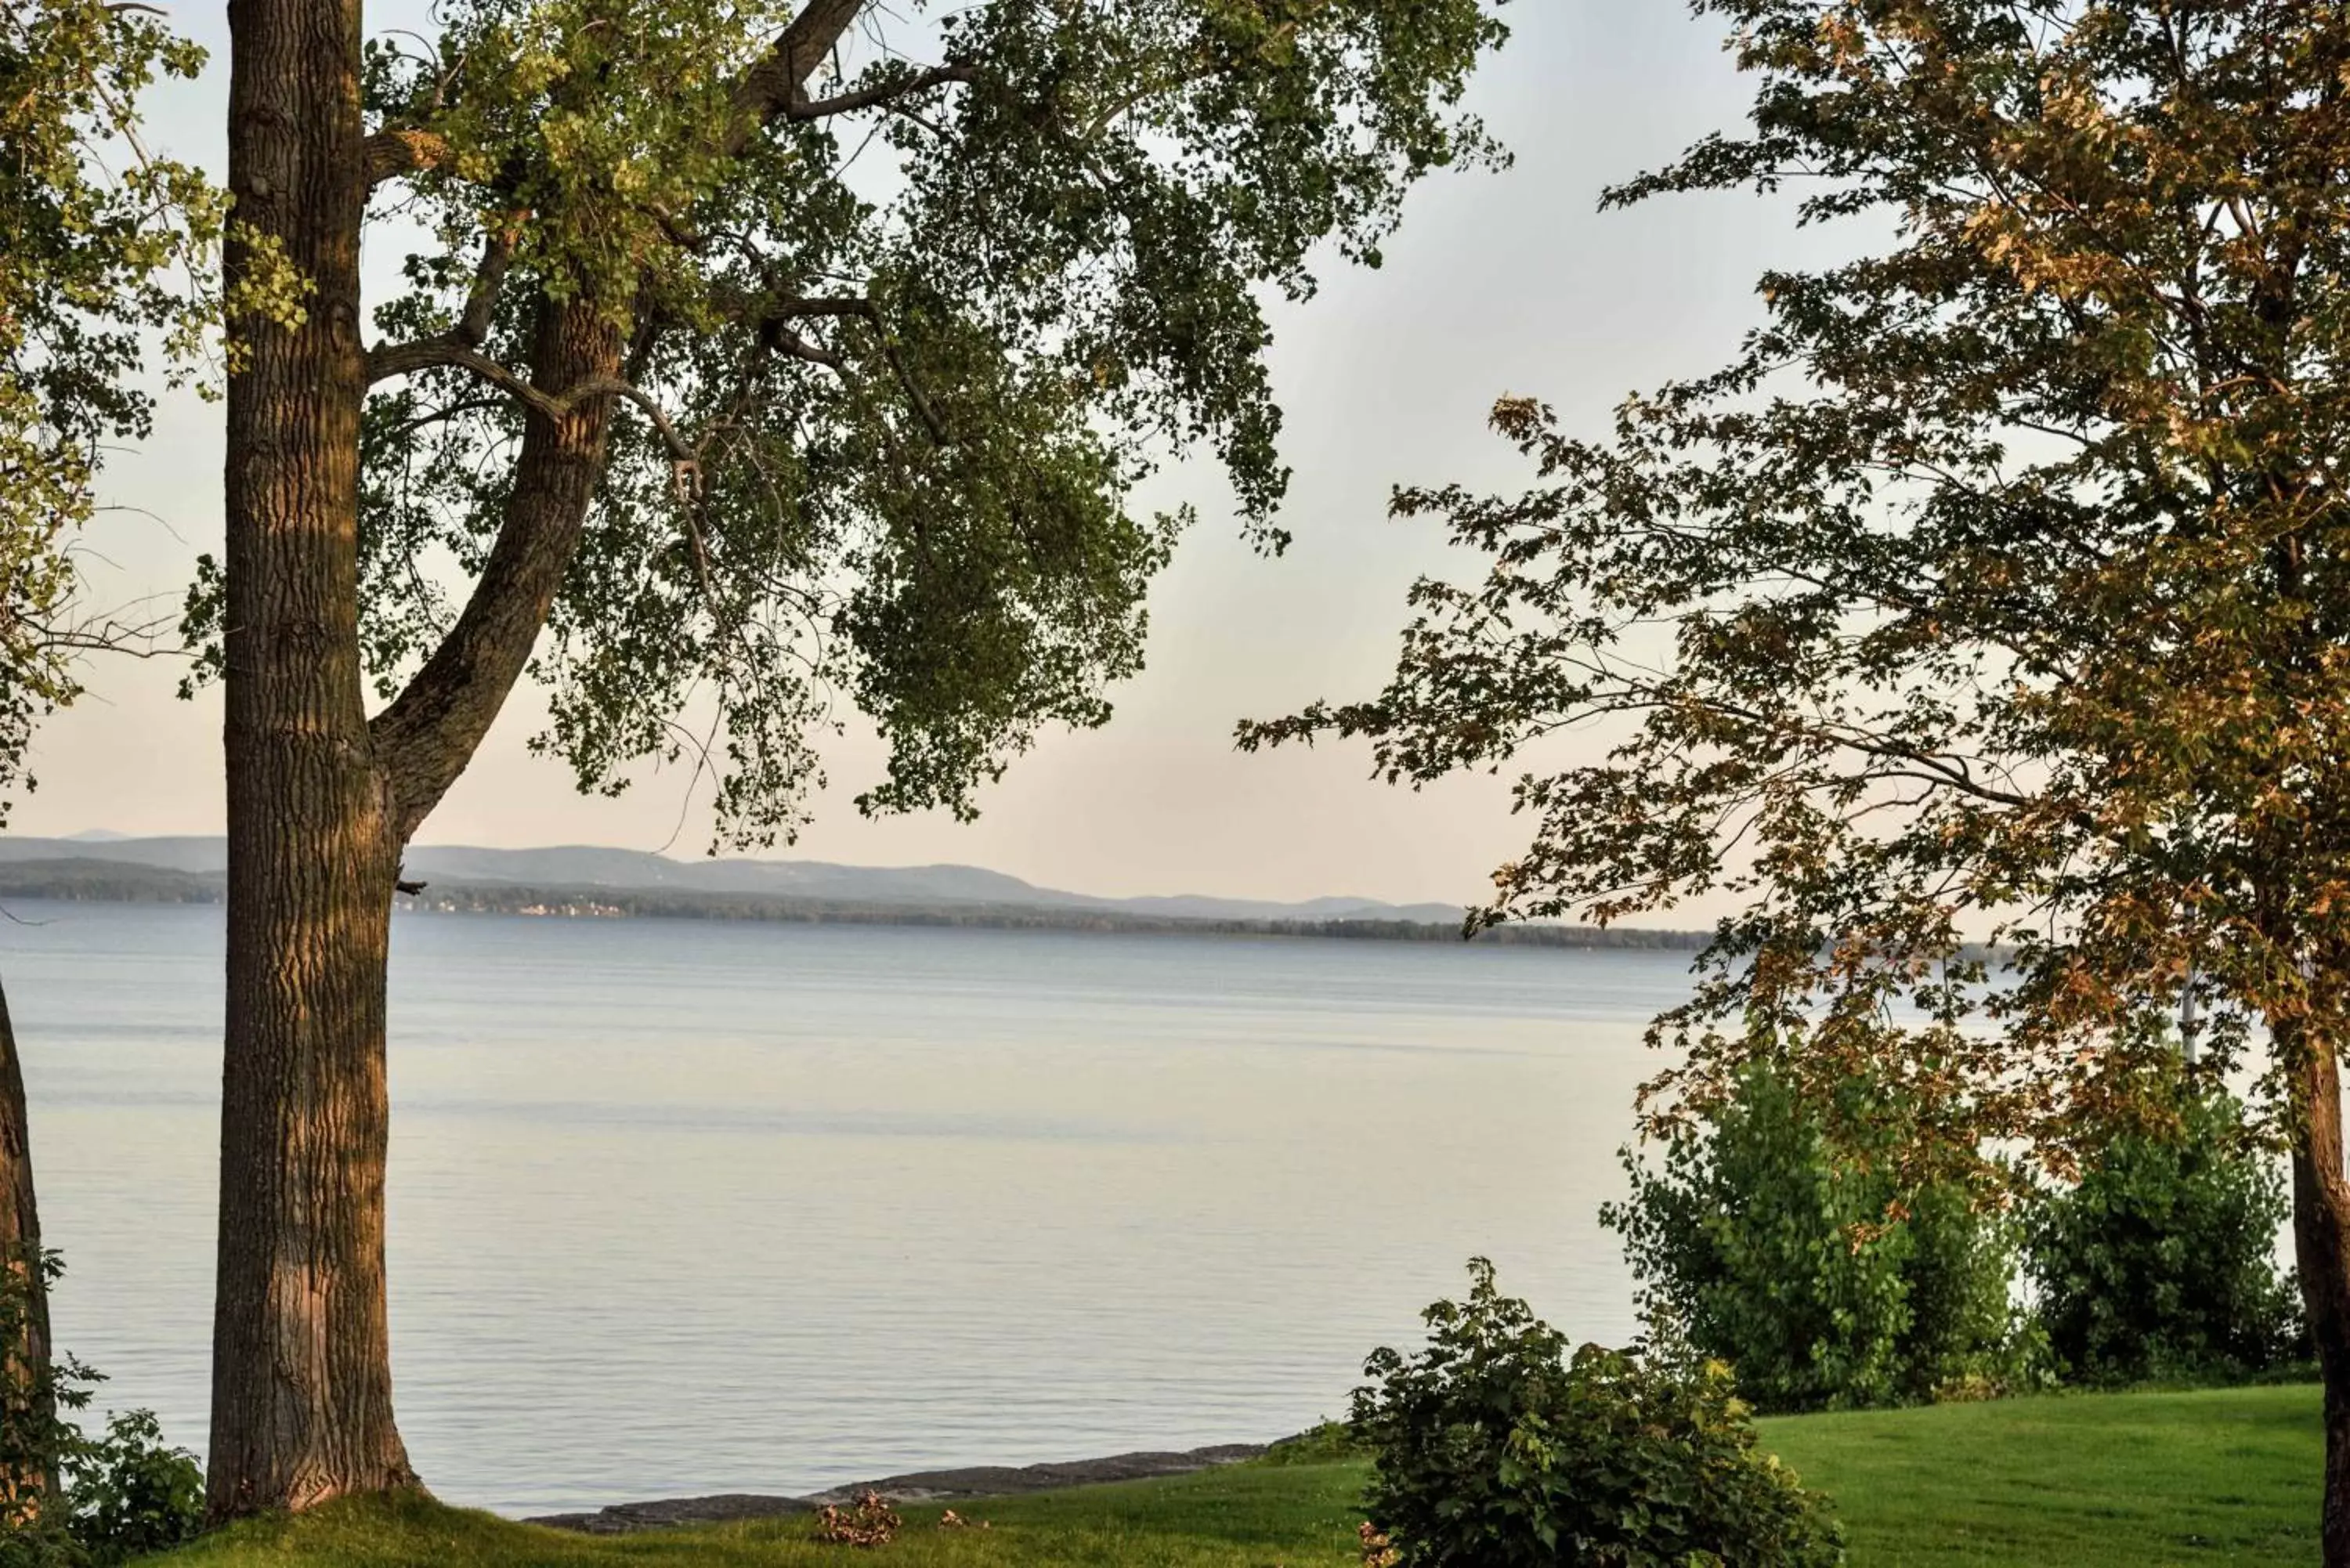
2160,1262
75,1501
1496,1447
129,1493
1824,1281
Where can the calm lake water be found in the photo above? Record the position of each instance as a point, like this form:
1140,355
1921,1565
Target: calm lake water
681,1206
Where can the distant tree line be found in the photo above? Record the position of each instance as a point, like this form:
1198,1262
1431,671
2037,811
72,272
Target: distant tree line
99,881
108,882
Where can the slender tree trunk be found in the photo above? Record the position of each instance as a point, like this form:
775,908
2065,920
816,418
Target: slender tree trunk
301,1359
20,1252
2321,1235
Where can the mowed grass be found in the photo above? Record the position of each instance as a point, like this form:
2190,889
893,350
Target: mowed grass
2087,1480
2130,1480
1299,1516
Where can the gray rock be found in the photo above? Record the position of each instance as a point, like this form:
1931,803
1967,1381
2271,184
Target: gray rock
627,1517
922,1486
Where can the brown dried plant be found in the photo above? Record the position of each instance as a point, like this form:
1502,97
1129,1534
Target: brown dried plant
870,1522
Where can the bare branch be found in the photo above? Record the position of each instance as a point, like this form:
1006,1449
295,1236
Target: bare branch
770,315
784,340
403,359
880,93
448,350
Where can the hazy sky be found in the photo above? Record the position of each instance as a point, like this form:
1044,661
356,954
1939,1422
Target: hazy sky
1499,283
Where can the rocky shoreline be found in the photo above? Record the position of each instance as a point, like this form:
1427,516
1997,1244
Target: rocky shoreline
922,1486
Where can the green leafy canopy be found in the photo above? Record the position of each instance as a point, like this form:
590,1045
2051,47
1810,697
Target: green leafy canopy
102,252
1997,590
1812,1270
893,354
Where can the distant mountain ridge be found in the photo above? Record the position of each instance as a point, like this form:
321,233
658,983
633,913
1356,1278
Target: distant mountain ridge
593,867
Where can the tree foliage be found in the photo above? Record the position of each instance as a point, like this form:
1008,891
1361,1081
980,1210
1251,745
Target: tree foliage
890,352
1997,587
2160,1261
101,250
96,236
1988,611
1816,1272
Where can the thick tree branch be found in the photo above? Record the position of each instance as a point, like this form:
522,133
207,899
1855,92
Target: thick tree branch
769,89
784,340
473,328
389,362
428,734
389,154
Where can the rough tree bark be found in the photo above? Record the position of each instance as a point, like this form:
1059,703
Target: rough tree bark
321,800
20,1251
301,1407
2321,1237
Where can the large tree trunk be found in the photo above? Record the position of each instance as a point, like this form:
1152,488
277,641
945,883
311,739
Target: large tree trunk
2321,1235
301,1358
33,1397
320,800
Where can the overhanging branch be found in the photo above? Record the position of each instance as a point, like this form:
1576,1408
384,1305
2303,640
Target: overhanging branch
879,94
449,352
768,319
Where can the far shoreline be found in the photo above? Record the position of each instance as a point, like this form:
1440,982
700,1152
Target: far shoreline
114,882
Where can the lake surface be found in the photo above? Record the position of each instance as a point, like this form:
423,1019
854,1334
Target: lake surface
683,1207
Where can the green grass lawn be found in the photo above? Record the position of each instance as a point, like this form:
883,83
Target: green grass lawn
2087,1481
1250,1514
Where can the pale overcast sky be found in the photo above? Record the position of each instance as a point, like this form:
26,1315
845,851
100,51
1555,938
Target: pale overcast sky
1499,283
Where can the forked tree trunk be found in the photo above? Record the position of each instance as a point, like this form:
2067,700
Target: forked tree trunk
301,1407
2321,1235
320,801
33,1397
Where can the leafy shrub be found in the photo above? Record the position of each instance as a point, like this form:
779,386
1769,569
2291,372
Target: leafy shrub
1493,1448
38,1539
2161,1263
129,1493
1820,1278
104,1500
